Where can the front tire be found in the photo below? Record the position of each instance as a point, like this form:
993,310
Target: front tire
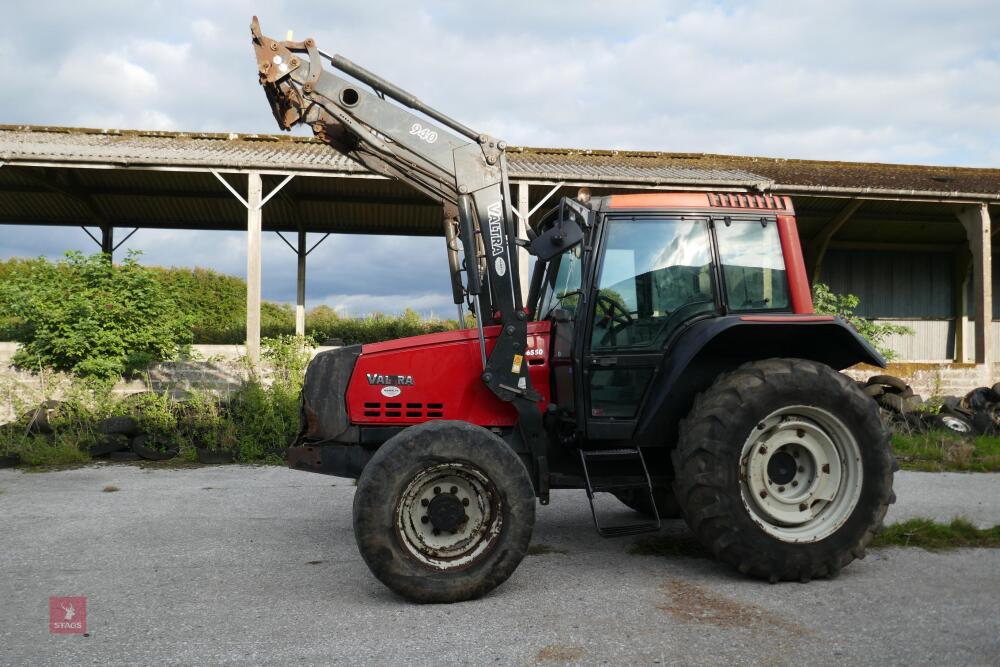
444,512
784,469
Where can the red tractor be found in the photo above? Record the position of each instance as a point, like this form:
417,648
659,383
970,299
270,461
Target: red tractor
666,352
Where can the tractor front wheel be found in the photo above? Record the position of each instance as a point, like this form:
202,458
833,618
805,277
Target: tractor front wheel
444,512
784,469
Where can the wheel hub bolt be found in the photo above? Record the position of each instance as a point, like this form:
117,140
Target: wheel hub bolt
800,433
437,490
794,483
781,489
802,469
453,490
425,502
437,532
762,450
424,519
763,494
803,507
465,501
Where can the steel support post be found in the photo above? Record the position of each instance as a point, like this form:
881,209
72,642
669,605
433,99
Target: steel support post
976,220
254,216
107,239
300,285
960,282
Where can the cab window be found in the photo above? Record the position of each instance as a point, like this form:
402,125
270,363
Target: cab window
655,274
562,286
753,267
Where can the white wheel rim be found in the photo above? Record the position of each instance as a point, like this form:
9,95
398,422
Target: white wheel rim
472,493
800,474
955,424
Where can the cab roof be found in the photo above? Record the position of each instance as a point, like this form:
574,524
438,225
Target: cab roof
698,200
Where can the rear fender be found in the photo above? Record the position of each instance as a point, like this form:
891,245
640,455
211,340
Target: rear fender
710,347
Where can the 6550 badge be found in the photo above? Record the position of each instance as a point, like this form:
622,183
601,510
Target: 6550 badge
392,383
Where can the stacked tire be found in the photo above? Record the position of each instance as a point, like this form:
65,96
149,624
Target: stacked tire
976,413
898,404
980,408
121,440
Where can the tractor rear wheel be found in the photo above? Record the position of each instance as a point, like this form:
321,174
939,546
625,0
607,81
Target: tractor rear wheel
784,469
444,512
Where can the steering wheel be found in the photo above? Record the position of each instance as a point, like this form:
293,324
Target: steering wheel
616,317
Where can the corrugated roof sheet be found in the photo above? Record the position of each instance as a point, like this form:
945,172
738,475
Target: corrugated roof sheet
137,148
624,167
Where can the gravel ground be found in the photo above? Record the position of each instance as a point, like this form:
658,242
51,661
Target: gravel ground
258,565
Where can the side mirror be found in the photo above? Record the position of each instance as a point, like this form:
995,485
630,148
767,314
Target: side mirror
558,238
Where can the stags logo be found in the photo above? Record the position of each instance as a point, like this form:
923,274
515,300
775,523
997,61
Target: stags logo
68,615
494,222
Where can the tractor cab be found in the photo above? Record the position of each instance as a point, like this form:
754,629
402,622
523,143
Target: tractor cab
646,268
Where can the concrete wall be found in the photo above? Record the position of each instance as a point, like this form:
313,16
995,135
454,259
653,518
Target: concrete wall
216,368
929,379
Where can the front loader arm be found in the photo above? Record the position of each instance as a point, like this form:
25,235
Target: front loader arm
464,170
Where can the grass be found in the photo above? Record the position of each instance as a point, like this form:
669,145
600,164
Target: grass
42,452
934,536
938,451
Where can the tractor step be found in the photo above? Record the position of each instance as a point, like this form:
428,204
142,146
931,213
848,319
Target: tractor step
642,482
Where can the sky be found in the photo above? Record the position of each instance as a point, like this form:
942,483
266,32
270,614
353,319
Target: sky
906,81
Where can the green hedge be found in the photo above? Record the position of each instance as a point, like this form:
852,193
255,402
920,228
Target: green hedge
214,305
217,304
90,317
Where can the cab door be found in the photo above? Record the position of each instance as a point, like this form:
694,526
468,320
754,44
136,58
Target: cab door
654,274
560,302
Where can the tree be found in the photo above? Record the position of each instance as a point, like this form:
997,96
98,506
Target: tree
827,302
93,318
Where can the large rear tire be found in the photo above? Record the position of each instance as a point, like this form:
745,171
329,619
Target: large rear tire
784,469
444,512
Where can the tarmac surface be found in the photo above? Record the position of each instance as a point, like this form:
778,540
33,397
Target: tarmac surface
258,565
